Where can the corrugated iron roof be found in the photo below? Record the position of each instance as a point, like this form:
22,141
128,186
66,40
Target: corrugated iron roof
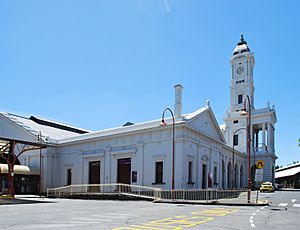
288,172
48,129
131,128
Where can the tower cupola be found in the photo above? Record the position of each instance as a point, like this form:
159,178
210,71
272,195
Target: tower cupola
241,46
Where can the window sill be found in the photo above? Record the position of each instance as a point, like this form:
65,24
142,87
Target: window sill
159,183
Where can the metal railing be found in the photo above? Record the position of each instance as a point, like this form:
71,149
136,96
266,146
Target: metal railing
105,189
143,192
200,194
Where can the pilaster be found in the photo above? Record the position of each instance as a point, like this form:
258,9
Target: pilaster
107,165
140,165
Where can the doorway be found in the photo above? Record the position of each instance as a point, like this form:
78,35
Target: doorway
69,176
94,175
124,170
204,176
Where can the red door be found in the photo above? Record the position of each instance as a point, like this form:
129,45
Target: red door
124,170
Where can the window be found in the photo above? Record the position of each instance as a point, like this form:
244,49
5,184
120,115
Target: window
235,121
236,139
240,98
159,172
215,175
190,175
69,176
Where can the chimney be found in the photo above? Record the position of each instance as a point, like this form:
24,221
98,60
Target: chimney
178,101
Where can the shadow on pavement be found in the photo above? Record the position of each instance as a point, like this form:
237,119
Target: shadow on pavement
23,201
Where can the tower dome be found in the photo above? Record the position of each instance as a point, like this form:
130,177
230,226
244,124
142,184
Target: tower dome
241,46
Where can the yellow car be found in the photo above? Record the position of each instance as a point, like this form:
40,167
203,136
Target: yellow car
266,186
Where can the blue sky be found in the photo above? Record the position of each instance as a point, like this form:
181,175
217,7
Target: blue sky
98,64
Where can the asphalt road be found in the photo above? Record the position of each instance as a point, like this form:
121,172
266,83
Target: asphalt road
283,213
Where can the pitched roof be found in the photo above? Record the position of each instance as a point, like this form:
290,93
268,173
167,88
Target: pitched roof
290,170
118,130
134,127
62,134
49,129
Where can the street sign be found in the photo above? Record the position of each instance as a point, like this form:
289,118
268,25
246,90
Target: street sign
259,175
260,164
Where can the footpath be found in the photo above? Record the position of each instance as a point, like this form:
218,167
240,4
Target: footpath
239,201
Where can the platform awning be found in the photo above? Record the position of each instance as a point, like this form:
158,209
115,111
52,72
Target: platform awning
18,169
287,172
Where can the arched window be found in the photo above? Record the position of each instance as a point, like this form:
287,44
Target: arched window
241,177
229,182
236,176
223,174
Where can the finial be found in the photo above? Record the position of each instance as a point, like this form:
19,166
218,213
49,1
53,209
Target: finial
242,41
273,107
207,103
268,104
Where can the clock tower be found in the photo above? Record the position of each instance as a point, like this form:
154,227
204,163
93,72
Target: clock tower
262,120
242,63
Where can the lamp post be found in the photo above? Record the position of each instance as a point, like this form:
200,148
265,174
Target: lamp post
41,164
248,113
173,143
233,179
11,160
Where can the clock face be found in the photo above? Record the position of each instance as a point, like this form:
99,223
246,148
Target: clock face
240,70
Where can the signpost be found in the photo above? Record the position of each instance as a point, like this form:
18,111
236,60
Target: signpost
259,172
259,175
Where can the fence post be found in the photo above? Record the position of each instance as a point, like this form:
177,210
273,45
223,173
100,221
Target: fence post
256,196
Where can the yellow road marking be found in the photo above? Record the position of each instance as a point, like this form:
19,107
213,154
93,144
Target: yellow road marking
182,221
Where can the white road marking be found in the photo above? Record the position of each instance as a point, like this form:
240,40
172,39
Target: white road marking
294,200
252,225
283,204
296,205
252,217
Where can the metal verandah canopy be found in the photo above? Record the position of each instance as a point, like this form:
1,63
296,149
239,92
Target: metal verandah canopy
5,140
18,169
10,150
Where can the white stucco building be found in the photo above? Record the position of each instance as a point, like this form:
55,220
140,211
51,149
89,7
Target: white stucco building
141,153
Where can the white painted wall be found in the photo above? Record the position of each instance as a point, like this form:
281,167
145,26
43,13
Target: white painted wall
144,149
